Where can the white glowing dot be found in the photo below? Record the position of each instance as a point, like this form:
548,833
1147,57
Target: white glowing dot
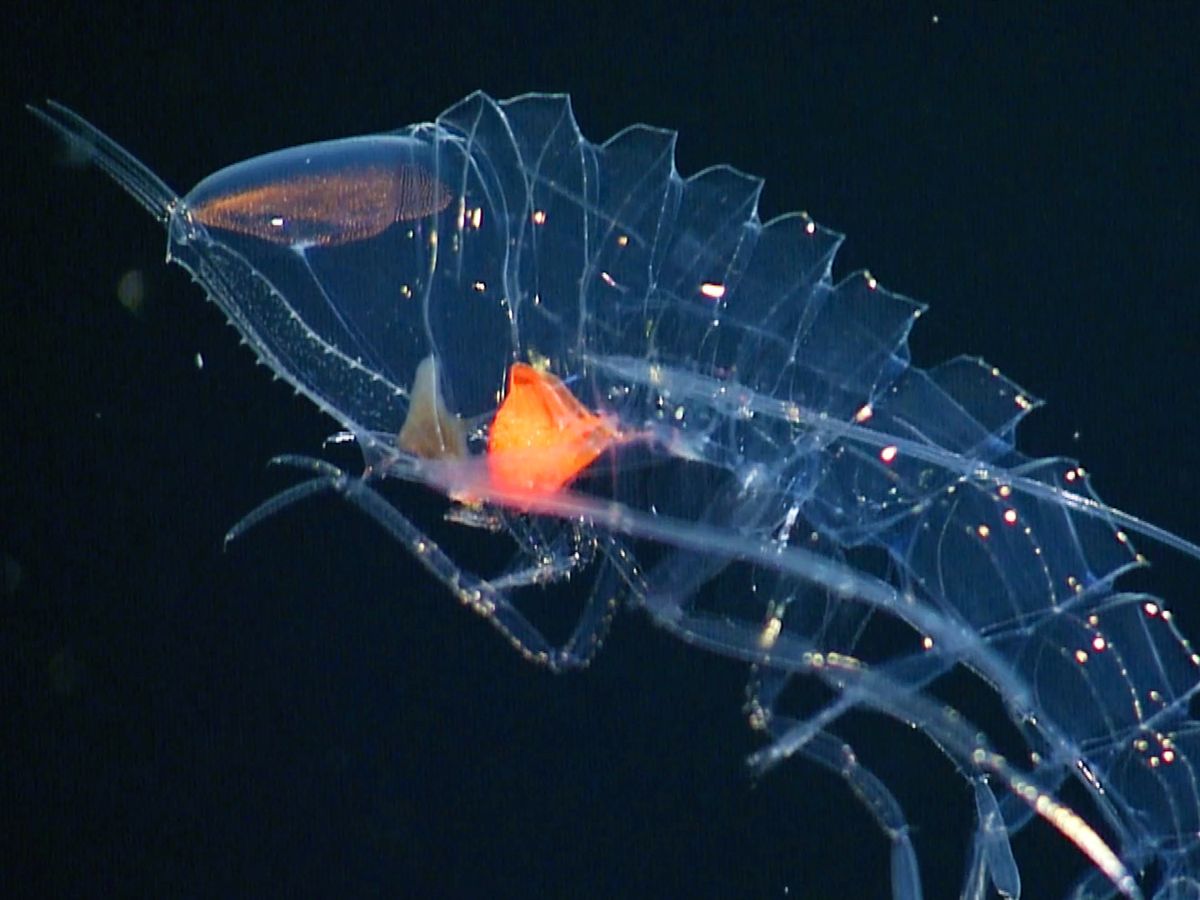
1071,476
476,217
1122,537
770,633
608,279
712,290
276,221
811,227
623,240
1005,490
889,453
865,412
983,531
1099,644
1081,656
539,217
927,642
1151,609
1168,756
872,283
479,287
1010,517
1022,401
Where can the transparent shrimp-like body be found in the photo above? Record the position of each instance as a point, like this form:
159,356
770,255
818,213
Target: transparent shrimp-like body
659,397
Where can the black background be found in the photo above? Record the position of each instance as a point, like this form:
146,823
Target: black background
307,713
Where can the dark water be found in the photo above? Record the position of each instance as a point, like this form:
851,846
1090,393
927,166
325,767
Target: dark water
309,714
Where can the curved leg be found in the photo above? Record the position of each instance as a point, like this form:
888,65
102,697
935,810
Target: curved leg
490,599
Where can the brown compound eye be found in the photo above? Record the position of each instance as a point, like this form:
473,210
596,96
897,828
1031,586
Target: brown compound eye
353,202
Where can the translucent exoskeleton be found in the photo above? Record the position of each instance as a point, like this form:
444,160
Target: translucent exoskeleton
661,398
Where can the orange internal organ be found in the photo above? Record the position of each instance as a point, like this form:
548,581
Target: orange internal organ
542,436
